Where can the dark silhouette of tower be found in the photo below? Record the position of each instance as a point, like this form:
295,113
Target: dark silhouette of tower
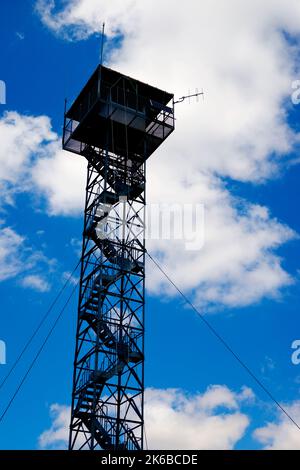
116,123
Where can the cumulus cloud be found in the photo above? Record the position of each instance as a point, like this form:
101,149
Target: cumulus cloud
56,437
18,259
281,434
31,160
21,139
175,419
11,244
60,177
36,282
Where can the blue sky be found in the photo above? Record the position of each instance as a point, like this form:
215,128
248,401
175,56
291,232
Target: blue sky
41,68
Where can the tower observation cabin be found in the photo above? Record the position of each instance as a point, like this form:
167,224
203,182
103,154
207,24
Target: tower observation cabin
116,123
119,114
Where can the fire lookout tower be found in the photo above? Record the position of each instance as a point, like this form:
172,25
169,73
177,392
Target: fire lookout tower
116,123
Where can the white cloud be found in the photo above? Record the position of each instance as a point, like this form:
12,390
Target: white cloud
21,138
240,56
31,159
282,434
237,265
11,245
21,261
35,282
176,420
237,51
57,436
60,177
87,17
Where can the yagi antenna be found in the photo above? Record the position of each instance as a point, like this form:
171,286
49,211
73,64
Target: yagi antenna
189,96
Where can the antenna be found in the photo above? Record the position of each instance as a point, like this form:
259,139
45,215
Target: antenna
189,96
102,43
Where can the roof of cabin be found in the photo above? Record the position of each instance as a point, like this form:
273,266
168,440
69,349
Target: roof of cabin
111,77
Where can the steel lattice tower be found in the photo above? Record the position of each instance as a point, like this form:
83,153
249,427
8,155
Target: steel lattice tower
116,123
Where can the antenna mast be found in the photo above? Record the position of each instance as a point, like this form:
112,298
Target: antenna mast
102,43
